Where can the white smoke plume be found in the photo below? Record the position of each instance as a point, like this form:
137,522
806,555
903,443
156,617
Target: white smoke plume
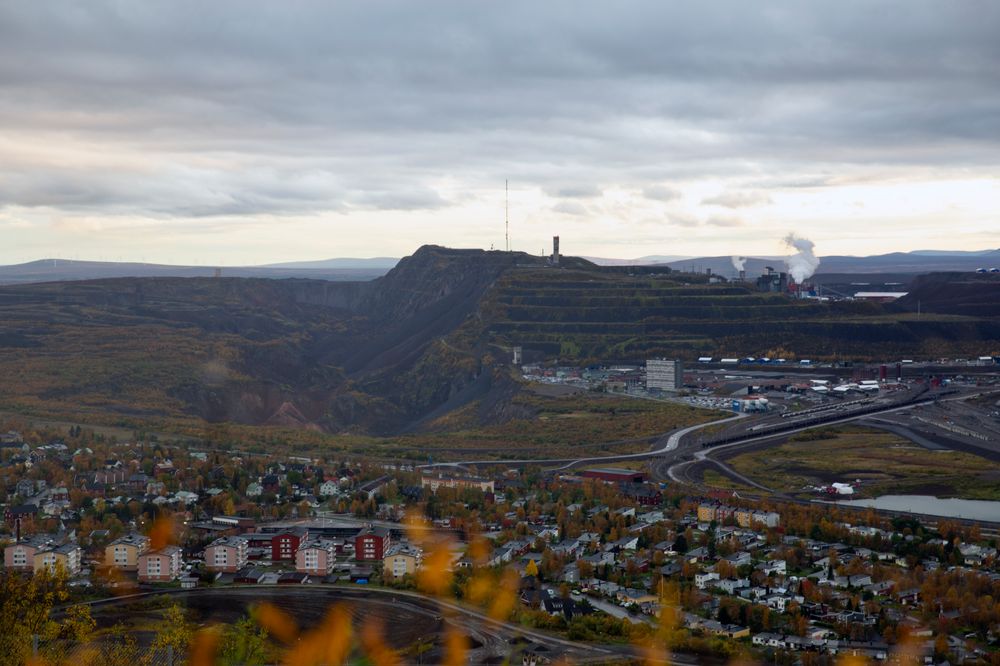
803,263
738,262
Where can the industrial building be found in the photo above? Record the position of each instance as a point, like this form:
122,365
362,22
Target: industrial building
879,296
664,375
751,405
773,281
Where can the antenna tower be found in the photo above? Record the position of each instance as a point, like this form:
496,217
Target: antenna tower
506,213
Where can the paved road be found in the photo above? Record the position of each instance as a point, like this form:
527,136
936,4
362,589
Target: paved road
667,443
671,443
676,470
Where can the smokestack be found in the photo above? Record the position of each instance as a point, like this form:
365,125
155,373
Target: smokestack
743,276
708,271
555,250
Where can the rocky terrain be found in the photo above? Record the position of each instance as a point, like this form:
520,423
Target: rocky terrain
432,336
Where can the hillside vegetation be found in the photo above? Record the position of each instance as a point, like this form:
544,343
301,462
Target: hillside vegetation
423,349
884,463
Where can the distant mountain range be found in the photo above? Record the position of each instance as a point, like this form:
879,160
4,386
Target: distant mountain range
648,260
339,263
354,269
57,270
913,263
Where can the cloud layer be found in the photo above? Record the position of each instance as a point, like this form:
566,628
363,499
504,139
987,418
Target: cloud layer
185,116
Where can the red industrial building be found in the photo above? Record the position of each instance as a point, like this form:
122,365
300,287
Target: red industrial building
614,475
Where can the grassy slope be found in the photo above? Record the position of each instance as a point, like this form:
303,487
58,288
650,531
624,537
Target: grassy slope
560,427
587,424
886,464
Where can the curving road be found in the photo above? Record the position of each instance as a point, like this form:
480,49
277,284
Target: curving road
667,443
675,470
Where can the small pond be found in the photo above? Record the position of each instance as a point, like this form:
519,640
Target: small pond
933,506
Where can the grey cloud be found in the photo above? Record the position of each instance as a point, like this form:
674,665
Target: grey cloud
570,208
724,221
575,192
660,193
383,99
682,220
404,199
738,199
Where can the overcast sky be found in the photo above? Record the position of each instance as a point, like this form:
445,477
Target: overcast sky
251,132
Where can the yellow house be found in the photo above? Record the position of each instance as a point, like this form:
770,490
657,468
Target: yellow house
400,560
738,632
66,557
706,513
123,553
744,517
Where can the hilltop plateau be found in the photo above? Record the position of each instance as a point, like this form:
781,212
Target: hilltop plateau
407,351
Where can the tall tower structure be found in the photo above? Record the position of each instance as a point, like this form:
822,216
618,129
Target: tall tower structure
506,213
555,250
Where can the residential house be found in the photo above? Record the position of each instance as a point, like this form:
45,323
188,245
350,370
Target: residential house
227,554
773,567
24,513
25,488
371,543
643,494
570,548
628,596
776,602
21,556
186,497
123,553
704,580
160,566
401,559
739,559
316,556
625,543
731,586
501,555
371,488
285,544
67,557
750,517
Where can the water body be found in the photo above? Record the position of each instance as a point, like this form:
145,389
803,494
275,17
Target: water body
934,506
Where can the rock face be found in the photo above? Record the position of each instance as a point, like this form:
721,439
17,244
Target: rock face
366,356
402,351
967,294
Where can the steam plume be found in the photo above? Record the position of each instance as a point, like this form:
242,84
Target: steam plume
738,262
803,263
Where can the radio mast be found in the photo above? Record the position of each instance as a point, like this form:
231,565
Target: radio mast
506,213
